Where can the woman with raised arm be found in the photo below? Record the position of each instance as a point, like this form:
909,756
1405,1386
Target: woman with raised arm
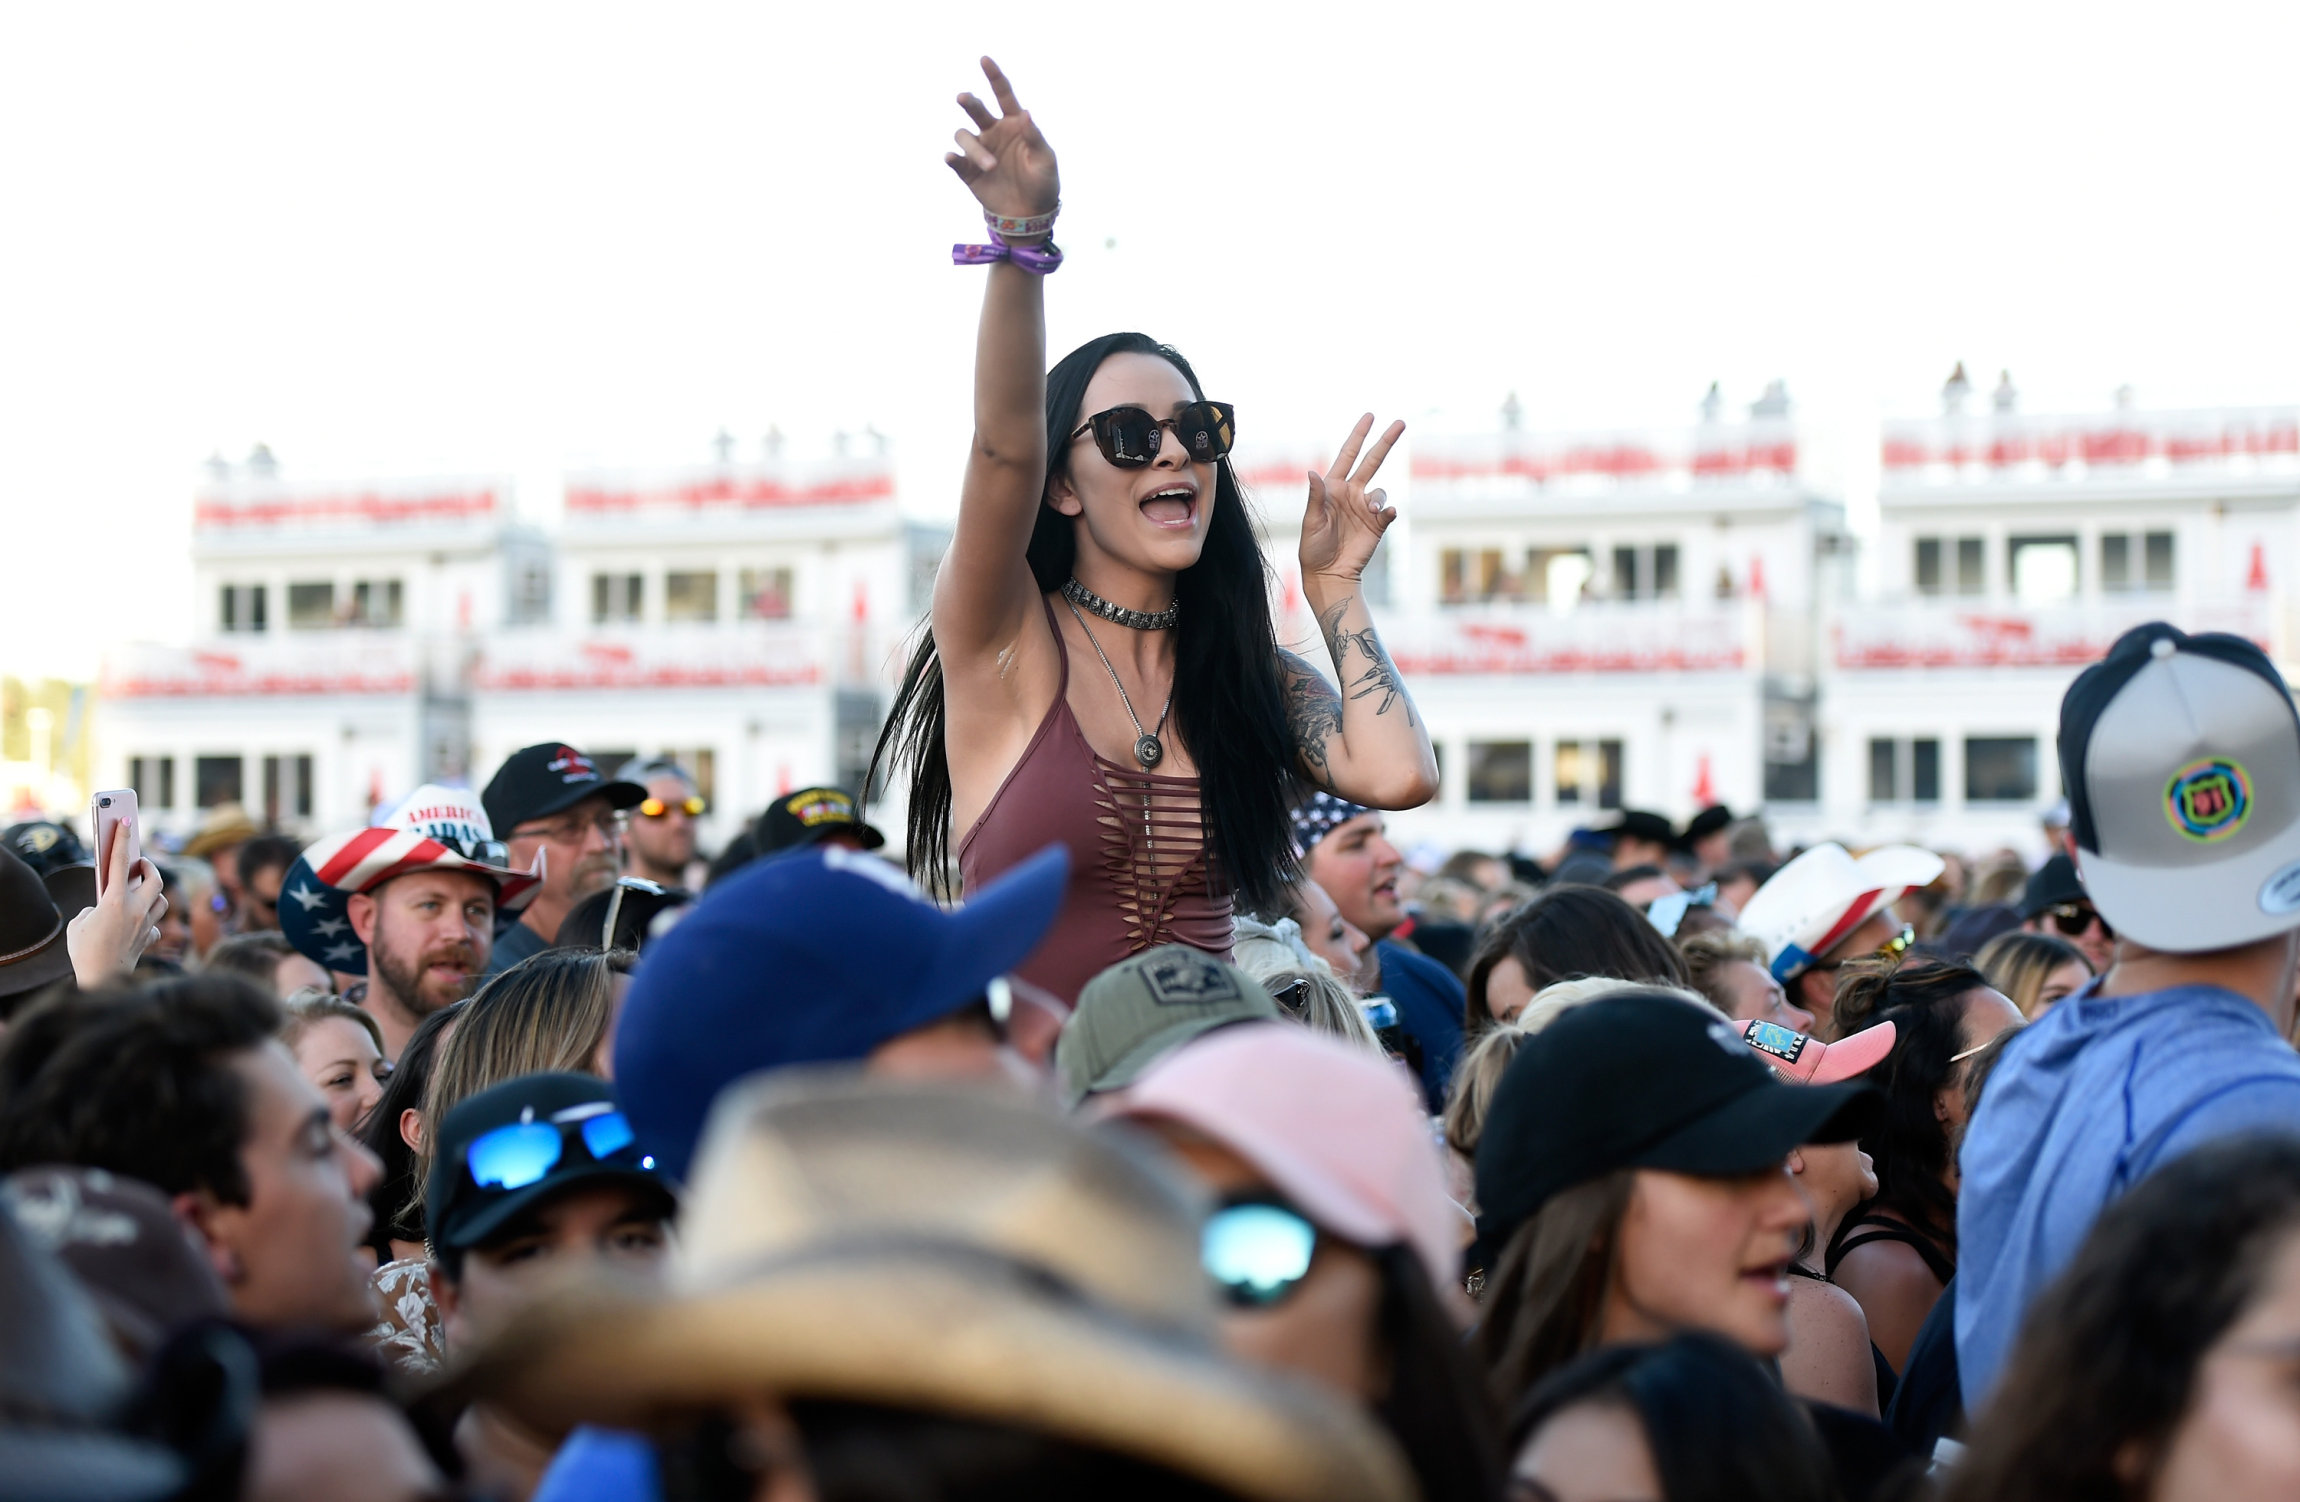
1101,668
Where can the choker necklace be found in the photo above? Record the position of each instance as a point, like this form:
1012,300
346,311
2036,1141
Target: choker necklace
1148,749
1133,620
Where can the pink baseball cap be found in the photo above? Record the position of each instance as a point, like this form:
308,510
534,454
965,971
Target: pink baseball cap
1805,1060
1336,1130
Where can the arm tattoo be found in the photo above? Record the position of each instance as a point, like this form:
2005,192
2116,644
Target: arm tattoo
1380,675
1313,715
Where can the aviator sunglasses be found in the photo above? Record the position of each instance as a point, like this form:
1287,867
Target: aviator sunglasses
1257,1252
656,808
524,1152
1130,437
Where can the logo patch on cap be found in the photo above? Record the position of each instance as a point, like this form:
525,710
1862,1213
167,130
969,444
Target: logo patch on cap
822,808
1181,981
2209,799
572,766
1772,1038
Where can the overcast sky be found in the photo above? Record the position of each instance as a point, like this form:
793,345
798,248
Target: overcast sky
520,238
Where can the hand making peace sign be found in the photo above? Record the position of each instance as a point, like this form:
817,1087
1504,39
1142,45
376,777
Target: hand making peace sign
1345,520
1004,159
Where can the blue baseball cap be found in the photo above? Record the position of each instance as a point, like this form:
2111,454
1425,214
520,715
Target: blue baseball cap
814,958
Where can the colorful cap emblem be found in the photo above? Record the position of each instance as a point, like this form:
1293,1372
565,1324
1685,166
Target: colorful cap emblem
2209,799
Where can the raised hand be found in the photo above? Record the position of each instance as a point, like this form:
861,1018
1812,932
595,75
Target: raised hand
1345,520
1004,159
106,940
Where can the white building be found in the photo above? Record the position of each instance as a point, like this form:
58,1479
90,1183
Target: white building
2013,550
356,641
1588,621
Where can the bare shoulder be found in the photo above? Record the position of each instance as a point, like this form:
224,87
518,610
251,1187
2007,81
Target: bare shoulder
1828,1357
1887,1268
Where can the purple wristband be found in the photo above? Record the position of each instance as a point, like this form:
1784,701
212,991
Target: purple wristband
1035,259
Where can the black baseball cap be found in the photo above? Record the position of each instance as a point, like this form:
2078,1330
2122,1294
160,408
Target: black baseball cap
2180,755
43,844
1643,824
810,816
1642,1079
2050,885
539,781
572,1132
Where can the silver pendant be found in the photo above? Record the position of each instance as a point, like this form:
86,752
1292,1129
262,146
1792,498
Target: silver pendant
1147,750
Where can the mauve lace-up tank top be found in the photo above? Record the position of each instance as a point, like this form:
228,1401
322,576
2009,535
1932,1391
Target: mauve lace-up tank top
1138,868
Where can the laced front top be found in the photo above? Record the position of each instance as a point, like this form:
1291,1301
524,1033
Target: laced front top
1138,866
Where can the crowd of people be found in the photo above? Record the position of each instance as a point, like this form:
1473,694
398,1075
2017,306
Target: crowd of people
1171,1132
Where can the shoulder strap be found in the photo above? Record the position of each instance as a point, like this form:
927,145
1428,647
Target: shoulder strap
1936,1261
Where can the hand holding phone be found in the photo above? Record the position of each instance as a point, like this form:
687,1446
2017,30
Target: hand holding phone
106,940
111,815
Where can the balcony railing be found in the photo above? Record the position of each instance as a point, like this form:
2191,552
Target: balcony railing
1970,635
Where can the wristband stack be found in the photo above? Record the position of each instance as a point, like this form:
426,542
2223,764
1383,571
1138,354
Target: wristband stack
1039,260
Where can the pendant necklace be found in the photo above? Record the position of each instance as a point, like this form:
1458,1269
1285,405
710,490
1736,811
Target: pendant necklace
1148,749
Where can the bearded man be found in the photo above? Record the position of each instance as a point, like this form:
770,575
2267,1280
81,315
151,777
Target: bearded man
413,901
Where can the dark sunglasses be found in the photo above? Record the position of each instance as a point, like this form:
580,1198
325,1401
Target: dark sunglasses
2073,918
1257,1252
1294,998
655,808
524,1152
1130,437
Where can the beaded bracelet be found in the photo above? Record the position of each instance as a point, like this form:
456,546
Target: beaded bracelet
1031,224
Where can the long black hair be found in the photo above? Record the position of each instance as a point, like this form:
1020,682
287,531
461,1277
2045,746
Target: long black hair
1717,1424
2108,1358
1436,1406
1925,1001
1229,706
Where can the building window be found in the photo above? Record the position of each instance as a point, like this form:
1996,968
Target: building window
311,606
1557,576
239,607
1500,771
1588,772
691,595
154,779
2156,548
767,594
1625,580
216,780
1469,576
2000,768
2116,561
287,789
530,601
1925,771
615,597
1884,771
377,602
1928,565
1665,571
1972,574
2043,569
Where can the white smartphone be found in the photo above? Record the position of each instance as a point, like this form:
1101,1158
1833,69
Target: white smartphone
112,814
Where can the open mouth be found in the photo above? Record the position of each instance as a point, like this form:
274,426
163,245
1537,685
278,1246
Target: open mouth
1174,506
1772,1277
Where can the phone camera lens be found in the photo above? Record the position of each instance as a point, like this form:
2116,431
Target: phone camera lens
103,803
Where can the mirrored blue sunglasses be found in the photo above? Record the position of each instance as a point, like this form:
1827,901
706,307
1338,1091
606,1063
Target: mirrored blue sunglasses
524,1152
1256,1252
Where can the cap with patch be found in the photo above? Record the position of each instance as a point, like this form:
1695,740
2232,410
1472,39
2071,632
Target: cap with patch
810,816
44,845
1144,1007
436,829
2181,756
538,781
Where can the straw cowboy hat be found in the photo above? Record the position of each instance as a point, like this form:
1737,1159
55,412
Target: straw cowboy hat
927,1248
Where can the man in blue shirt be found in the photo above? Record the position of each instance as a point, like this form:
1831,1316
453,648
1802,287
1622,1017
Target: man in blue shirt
2181,759
1345,851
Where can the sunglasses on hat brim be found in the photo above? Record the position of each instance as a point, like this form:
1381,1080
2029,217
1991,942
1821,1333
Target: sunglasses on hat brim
1257,1251
522,1153
1130,437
